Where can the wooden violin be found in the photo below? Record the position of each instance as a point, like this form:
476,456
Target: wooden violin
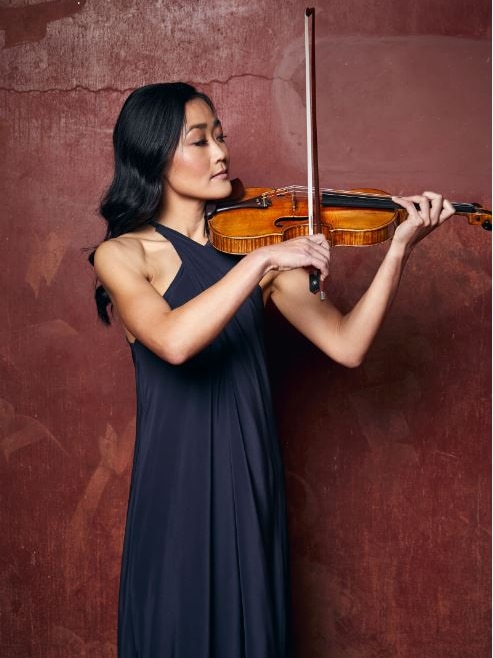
257,217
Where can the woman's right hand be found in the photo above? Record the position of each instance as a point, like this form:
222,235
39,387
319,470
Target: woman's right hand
310,251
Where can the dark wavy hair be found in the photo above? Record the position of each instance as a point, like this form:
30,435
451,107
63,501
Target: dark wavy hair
145,138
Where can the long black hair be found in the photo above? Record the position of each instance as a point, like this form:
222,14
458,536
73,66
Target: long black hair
145,138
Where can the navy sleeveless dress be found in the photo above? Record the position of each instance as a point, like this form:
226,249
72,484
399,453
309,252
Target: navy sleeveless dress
205,569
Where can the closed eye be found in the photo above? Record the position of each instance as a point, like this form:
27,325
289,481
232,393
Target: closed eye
203,142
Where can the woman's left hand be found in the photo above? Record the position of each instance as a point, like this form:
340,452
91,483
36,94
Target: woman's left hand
432,212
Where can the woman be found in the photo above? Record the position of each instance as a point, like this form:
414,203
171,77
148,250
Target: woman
205,568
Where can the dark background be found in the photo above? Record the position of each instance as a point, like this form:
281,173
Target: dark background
387,465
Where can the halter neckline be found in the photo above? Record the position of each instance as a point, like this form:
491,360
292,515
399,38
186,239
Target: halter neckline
160,228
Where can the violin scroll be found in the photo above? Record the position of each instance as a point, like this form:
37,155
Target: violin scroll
479,217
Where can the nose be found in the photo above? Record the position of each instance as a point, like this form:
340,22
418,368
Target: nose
220,152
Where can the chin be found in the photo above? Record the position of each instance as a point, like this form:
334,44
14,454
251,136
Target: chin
223,190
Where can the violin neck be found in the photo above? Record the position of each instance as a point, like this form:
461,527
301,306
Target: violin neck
371,201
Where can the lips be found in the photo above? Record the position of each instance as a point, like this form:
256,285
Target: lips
221,174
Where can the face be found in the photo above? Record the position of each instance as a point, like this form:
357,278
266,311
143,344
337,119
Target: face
199,168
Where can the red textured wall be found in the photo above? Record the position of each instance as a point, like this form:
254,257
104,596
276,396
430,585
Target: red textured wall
387,465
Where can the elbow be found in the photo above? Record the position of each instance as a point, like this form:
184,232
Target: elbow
347,360
353,362
174,352
350,359
346,348
174,358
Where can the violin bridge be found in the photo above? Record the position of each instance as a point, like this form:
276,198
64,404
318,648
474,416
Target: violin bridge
294,202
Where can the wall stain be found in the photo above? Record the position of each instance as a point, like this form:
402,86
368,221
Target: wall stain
48,253
18,431
74,646
27,24
116,454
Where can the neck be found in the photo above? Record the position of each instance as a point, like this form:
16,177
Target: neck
184,215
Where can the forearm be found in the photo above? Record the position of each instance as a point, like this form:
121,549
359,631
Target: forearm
359,327
346,338
182,332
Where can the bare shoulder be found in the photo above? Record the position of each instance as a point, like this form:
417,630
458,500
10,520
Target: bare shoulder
140,256
129,251
126,249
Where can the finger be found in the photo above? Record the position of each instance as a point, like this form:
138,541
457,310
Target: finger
319,252
317,243
432,195
402,201
308,243
421,216
436,205
424,207
320,239
447,211
319,257
321,265
407,204
322,255
318,264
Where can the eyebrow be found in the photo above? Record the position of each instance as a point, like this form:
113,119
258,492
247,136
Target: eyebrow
203,126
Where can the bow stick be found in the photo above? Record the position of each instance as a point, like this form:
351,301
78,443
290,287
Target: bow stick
314,223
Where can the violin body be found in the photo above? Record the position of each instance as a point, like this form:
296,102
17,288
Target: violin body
258,217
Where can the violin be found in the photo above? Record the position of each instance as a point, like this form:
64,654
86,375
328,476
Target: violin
257,217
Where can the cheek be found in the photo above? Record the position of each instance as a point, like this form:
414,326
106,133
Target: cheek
189,163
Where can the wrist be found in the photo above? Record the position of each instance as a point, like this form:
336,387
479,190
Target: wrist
261,260
399,250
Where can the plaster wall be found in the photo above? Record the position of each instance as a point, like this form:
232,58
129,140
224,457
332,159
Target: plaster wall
387,465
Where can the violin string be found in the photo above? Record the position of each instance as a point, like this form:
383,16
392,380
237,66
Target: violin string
359,195
303,191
